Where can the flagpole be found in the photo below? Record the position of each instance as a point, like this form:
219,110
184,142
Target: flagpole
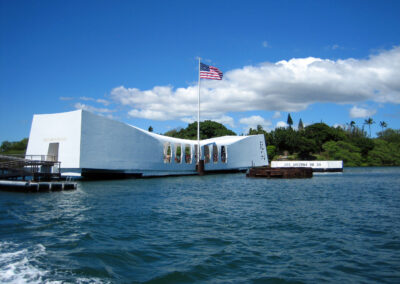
198,121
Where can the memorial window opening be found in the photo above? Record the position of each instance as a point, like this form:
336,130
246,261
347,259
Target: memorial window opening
167,153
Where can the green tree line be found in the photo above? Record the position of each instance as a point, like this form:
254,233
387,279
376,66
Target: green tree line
322,142
18,147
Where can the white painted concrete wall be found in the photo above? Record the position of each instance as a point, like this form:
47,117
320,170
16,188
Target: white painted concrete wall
63,128
109,144
242,152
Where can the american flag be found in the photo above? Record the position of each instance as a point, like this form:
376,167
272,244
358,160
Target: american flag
210,72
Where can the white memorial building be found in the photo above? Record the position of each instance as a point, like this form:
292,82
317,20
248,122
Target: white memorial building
90,145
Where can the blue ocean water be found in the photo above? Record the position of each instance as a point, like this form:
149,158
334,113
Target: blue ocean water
213,229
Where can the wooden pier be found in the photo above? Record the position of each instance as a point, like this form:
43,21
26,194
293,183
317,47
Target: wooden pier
268,172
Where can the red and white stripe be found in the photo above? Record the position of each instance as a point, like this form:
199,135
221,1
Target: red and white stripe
213,74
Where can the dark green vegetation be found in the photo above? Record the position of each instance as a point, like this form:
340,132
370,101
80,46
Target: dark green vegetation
11,148
322,142
208,129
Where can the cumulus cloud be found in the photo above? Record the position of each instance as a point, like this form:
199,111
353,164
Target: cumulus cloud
280,124
253,121
288,86
358,112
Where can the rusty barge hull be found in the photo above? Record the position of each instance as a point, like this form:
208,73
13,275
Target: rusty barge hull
268,172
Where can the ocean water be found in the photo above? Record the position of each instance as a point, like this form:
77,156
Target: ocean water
332,228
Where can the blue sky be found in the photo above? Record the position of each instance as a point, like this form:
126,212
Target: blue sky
135,61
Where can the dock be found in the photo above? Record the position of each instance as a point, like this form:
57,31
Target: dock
28,186
32,174
268,172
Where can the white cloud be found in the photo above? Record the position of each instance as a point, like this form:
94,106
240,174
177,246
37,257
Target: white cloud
280,124
282,86
253,121
100,101
277,114
86,99
225,120
336,125
93,109
358,112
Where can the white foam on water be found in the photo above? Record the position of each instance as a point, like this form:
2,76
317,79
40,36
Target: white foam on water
91,281
21,265
16,263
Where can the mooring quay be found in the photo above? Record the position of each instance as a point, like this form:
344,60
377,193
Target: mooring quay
43,174
29,186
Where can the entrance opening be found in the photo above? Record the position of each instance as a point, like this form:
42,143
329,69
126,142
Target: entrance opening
52,152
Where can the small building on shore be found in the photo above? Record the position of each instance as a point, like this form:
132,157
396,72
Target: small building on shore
91,145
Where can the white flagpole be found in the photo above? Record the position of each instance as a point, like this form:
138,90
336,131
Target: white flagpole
198,121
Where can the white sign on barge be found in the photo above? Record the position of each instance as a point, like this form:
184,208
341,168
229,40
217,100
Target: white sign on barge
317,166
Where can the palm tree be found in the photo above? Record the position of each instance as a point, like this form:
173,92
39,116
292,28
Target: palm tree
383,124
352,126
369,122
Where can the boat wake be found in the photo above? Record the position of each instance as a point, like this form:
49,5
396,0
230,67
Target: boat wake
20,265
26,265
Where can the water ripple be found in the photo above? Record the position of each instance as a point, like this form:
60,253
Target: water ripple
216,228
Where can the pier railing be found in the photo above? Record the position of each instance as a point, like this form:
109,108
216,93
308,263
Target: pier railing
39,167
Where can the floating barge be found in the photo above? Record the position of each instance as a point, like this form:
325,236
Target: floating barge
268,172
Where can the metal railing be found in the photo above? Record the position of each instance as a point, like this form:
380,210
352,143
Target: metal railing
37,166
